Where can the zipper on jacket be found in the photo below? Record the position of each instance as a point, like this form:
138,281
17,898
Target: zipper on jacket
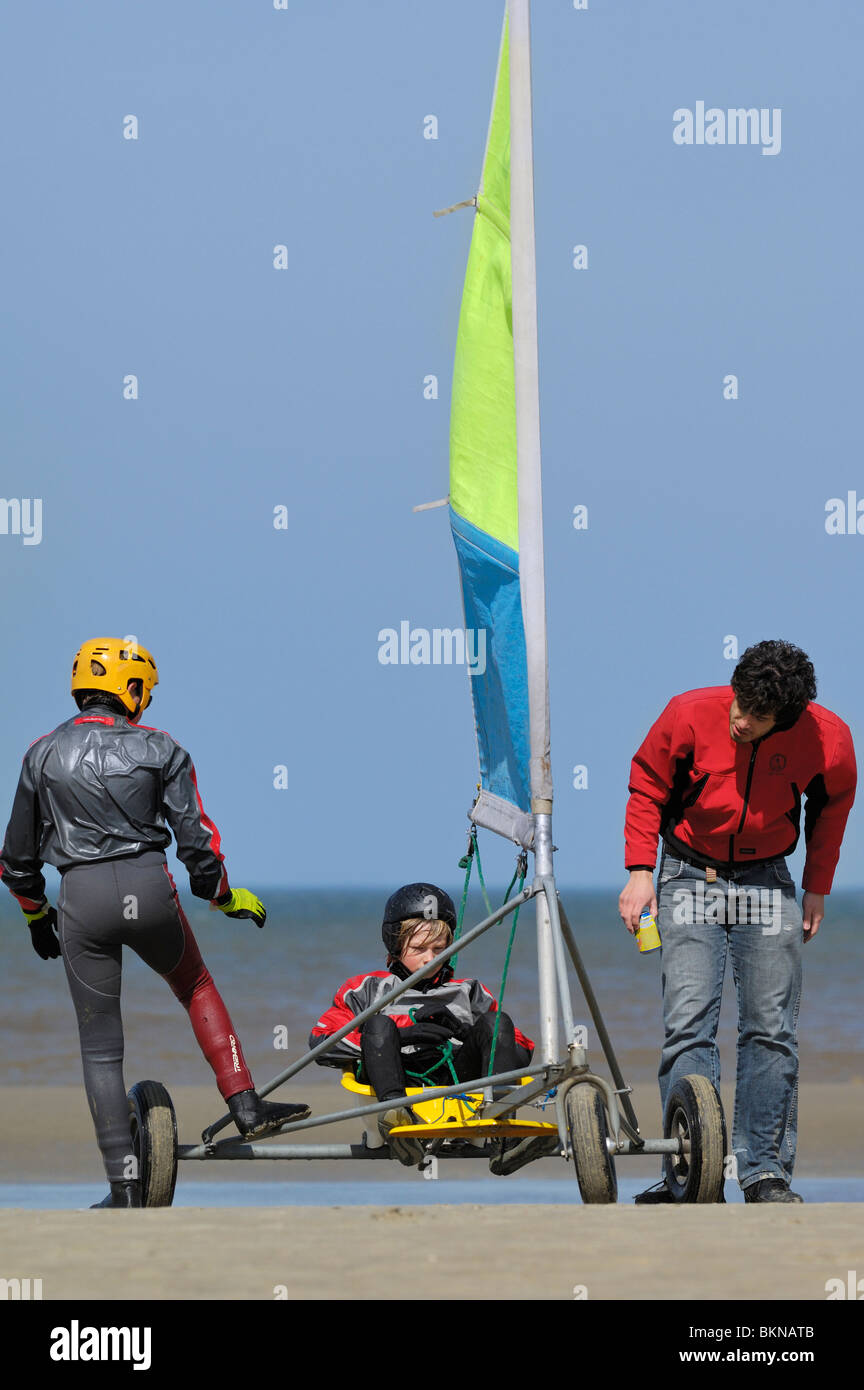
747,786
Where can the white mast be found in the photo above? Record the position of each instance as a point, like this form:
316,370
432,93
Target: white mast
532,581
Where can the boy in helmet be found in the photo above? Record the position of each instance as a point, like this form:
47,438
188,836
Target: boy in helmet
439,1030
93,799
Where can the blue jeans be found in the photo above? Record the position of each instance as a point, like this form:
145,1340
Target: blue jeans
754,916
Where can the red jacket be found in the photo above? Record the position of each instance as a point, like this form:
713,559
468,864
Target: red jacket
467,999
722,802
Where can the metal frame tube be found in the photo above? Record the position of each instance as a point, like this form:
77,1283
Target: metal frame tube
551,895
292,1152
652,1146
532,584
631,1124
237,1150
545,942
358,1111
553,1077
527,393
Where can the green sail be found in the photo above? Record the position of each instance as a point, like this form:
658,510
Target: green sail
484,505
483,415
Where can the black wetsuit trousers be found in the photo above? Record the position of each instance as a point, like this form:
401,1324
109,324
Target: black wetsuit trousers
384,1062
103,907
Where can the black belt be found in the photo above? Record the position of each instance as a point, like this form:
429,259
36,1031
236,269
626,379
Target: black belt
725,869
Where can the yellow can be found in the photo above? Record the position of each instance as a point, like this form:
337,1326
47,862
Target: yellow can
647,934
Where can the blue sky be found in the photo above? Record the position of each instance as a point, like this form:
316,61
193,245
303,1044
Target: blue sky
303,387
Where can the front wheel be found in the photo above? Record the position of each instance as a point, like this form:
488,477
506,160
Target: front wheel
694,1111
154,1142
586,1125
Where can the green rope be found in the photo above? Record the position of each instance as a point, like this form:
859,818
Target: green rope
513,880
480,873
466,863
446,1059
522,870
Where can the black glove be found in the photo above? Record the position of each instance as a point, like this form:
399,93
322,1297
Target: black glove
443,1018
432,1034
43,932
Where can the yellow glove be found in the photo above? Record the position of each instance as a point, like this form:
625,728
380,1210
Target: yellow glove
239,902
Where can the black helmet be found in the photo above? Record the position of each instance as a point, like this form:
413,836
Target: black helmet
415,900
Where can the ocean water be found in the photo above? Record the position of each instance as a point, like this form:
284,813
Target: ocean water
411,1193
277,981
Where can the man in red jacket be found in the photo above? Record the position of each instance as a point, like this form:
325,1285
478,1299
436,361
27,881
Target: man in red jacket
720,780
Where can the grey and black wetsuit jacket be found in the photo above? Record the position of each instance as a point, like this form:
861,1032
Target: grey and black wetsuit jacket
100,788
467,999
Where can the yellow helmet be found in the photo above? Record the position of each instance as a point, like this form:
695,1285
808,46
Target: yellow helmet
121,661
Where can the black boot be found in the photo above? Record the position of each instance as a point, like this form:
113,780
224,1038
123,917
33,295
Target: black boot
122,1194
406,1147
771,1190
255,1117
515,1153
660,1194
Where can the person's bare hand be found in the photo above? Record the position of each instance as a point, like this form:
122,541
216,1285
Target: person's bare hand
812,910
637,895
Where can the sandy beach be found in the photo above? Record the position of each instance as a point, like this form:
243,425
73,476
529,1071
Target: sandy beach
367,1253
459,1252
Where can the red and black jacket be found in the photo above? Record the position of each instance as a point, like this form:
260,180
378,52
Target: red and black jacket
100,788
467,999
721,803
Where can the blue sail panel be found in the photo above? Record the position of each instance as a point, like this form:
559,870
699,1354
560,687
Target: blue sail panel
493,611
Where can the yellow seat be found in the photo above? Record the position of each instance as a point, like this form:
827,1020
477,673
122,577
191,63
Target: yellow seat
454,1117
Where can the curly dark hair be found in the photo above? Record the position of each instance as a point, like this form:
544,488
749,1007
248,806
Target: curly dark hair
774,678
83,698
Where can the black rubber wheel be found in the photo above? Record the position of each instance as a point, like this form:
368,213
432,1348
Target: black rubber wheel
586,1124
154,1142
694,1111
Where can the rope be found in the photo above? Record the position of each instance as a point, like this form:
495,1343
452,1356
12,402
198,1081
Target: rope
446,1059
522,870
427,1076
466,863
480,873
